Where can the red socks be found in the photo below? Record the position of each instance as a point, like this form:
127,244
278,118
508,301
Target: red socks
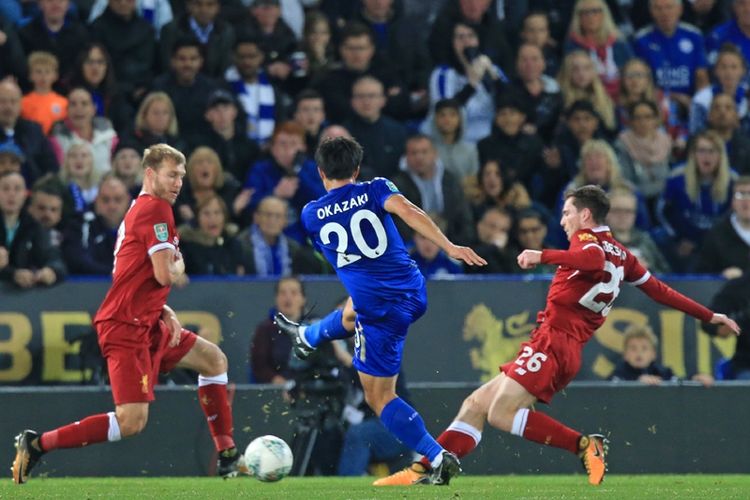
90,430
459,438
543,429
212,394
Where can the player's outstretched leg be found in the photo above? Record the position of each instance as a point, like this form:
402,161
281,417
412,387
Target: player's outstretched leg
593,452
295,331
460,438
30,445
306,338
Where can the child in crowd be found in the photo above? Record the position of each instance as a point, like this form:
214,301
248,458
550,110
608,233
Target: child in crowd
639,360
11,158
78,173
43,105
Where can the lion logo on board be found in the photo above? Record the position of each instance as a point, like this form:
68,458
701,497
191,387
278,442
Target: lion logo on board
498,339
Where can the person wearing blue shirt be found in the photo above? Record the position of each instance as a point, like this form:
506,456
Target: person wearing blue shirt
353,227
288,174
735,31
674,50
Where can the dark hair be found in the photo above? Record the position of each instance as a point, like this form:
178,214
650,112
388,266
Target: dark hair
108,85
296,279
421,137
531,213
643,102
49,184
582,105
356,29
731,49
186,41
306,94
592,197
448,103
339,157
247,38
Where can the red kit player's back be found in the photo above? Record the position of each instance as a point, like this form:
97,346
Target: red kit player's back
579,301
135,296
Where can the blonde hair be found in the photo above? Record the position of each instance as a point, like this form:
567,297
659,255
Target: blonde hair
155,156
609,28
65,170
42,58
204,153
595,93
639,332
722,177
151,98
599,146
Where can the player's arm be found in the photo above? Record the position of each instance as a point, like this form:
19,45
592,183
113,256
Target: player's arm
664,294
168,266
587,257
419,221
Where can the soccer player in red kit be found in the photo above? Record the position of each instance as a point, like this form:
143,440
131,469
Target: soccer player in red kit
581,295
140,335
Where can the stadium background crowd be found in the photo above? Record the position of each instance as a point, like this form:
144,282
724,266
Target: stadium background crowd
482,112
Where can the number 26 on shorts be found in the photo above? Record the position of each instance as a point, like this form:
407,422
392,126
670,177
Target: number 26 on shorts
529,361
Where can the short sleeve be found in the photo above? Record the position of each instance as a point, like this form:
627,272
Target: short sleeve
156,227
382,189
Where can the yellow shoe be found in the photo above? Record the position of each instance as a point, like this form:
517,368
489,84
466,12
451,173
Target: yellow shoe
594,448
416,473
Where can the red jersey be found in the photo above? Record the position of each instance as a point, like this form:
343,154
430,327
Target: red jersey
135,296
588,281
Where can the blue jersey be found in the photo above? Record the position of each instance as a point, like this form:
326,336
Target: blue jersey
673,59
358,237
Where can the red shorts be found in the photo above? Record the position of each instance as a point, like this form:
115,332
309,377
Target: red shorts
547,363
136,355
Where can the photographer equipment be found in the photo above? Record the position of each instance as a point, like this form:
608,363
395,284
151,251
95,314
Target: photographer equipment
317,393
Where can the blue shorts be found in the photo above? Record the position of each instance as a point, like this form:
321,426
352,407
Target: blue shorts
379,342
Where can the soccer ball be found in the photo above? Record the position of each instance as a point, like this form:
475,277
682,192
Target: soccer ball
268,458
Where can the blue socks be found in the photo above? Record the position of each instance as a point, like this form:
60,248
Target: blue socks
328,328
407,425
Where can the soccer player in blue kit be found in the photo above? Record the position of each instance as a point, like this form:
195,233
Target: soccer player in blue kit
353,227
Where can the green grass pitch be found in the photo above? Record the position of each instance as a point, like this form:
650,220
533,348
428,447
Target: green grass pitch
714,487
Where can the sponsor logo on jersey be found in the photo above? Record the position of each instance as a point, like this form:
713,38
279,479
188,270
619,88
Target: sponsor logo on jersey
586,237
391,186
162,234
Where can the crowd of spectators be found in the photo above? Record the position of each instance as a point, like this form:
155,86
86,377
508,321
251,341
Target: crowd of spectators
482,112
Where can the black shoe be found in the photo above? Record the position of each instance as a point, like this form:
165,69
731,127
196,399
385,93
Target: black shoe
448,468
231,464
291,329
27,456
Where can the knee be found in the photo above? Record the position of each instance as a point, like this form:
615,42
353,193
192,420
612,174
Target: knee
474,406
378,400
217,362
131,422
